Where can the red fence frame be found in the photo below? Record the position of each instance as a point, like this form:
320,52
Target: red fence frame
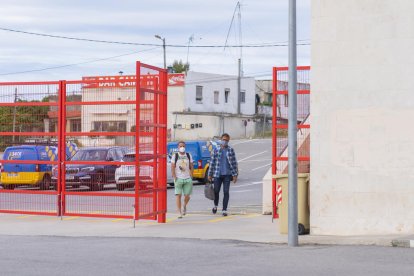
27,193
149,203
277,156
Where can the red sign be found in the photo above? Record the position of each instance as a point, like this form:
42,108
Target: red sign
130,80
176,79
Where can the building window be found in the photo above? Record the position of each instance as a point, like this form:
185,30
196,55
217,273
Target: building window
269,98
105,126
75,125
242,96
226,95
216,97
199,94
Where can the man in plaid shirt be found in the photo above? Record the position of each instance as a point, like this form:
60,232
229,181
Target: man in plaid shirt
223,169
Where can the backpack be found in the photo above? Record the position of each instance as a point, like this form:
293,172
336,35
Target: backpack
176,157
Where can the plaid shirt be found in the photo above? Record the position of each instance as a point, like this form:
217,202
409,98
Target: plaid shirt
215,162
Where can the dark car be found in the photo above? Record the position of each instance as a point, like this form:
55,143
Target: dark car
92,175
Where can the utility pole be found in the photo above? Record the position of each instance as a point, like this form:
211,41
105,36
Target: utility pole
292,131
14,113
239,88
190,39
164,49
240,36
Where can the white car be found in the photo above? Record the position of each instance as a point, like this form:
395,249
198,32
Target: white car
125,174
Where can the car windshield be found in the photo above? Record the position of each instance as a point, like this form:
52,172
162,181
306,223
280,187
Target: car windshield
89,155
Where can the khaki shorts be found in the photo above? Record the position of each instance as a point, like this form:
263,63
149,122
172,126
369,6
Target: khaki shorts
183,186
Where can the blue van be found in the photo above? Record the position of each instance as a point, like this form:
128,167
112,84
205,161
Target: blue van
201,153
13,175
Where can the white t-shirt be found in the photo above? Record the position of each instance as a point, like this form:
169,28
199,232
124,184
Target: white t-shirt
182,167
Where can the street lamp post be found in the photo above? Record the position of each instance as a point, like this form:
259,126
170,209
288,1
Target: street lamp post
163,46
292,131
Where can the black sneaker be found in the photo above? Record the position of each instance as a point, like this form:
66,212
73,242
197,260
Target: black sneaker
224,213
214,210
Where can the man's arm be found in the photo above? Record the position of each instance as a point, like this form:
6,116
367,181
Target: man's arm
173,167
191,166
234,166
212,165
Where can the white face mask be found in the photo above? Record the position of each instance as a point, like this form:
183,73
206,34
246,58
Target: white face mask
182,149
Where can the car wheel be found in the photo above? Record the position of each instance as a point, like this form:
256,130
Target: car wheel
45,184
120,187
98,182
75,186
301,229
8,187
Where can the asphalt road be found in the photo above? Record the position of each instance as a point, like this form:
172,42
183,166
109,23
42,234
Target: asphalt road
22,255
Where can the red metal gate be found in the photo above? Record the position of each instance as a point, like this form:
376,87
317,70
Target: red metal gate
280,126
106,142
23,108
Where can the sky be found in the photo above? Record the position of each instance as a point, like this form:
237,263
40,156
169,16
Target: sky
210,23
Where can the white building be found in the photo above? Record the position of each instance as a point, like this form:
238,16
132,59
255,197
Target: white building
218,93
362,106
211,107
205,107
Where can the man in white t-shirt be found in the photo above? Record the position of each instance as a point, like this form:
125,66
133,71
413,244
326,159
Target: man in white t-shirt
182,171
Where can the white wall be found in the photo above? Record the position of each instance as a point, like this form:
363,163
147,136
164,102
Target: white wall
215,82
212,125
92,113
175,103
362,106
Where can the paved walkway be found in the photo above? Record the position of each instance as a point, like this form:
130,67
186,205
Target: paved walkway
246,227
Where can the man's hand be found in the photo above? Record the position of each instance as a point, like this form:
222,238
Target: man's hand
235,179
210,178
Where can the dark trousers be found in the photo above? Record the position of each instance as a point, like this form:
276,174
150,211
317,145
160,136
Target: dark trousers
225,180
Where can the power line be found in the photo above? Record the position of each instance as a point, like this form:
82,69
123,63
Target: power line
262,45
231,24
74,64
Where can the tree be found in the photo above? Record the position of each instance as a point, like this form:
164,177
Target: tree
180,67
27,119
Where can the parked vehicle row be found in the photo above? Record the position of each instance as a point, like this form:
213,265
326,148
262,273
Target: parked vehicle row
94,176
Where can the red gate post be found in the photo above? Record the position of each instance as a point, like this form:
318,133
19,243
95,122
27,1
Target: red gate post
137,137
274,144
61,141
162,146
155,147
